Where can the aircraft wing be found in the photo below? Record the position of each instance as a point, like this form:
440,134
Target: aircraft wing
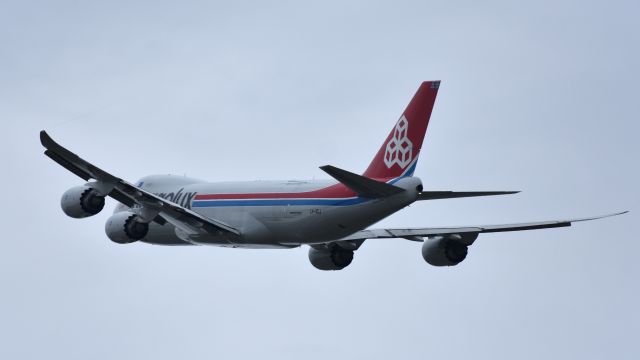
418,233
162,211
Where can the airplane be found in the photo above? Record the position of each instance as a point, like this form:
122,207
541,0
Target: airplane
332,217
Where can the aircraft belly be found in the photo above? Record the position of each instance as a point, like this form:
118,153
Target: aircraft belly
330,223
163,235
295,225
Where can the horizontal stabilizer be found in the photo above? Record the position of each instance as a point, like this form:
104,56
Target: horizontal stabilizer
434,195
362,185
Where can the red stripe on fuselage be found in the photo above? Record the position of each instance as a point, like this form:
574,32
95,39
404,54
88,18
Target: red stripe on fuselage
337,191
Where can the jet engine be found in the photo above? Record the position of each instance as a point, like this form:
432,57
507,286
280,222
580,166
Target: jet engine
333,258
81,201
447,250
126,227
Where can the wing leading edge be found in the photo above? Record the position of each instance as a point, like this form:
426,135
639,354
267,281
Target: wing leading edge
162,210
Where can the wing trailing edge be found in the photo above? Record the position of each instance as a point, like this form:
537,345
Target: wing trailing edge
413,233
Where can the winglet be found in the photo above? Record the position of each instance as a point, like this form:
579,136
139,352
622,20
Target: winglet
46,140
362,185
601,216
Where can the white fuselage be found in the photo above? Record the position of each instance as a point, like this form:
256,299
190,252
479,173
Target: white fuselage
273,213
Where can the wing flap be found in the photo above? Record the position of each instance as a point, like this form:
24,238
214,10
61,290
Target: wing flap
67,165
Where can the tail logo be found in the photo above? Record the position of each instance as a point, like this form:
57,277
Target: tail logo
399,149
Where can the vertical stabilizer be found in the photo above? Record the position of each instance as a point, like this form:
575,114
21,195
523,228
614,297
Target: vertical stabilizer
399,153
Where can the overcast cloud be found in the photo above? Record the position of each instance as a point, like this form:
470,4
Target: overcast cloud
539,97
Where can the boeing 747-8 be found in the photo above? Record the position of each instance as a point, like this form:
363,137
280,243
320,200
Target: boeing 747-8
332,217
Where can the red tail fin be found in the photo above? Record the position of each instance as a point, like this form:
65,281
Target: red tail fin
399,152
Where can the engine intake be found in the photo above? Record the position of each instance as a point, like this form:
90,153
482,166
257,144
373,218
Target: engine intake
334,258
81,201
445,251
125,227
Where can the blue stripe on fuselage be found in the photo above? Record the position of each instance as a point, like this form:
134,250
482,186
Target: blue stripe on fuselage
294,202
278,202
407,173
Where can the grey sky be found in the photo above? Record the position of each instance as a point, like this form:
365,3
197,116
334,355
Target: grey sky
539,97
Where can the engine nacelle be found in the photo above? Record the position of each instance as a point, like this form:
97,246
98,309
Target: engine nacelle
335,258
81,201
125,227
445,250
